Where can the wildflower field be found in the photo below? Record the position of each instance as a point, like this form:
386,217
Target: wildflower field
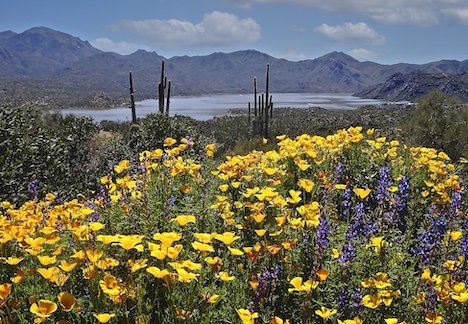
348,228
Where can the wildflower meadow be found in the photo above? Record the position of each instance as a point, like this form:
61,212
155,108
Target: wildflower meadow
348,228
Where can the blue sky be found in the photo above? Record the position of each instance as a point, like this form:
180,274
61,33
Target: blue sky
384,31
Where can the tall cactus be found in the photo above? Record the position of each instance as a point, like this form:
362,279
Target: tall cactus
255,97
161,87
168,99
132,99
163,84
263,113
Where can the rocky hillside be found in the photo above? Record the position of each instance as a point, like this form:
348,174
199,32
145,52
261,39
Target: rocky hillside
56,65
410,86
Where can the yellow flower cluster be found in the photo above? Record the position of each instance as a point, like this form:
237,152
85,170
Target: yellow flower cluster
266,209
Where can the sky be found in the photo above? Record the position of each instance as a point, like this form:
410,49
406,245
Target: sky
383,31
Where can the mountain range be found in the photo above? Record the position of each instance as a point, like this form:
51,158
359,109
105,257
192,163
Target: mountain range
50,63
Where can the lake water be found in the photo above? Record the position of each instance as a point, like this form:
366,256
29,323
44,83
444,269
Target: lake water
209,106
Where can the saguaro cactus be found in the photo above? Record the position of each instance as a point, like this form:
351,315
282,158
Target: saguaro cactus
163,84
263,115
161,87
132,99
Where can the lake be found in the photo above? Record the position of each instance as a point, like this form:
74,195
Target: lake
209,106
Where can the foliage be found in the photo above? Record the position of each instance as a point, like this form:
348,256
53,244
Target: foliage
45,153
346,228
441,122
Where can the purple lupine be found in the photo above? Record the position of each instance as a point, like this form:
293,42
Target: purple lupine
350,302
347,254
464,241
169,204
358,226
403,194
267,278
103,196
33,188
384,184
323,230
430,301
338,172
346,202
430,238
455,204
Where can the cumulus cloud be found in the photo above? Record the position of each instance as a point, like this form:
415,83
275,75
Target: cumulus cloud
215,29
460,15
107,45
361,54
417,12
357,33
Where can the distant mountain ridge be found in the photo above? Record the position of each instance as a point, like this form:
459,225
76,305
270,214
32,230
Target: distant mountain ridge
413,85
53,59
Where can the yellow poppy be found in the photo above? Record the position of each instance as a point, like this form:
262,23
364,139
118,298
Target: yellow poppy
44,308
169,141
122,166
136,265
183,220
96,226
5,290
167,238
67,266
355,320
299,286
246,316
205,237
224,276
325,313
94,255
340,186
110,285
48,273
13,260
227,237
158,273
107,239
67,301
202,247
323,274
128,242
362,193
104,317
46,260
185,276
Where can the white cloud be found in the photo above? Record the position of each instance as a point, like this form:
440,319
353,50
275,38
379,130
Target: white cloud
107,45
361,54
349,32
416,12
216,29
460,14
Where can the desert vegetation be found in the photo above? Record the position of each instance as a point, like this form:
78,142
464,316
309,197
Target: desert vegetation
336,217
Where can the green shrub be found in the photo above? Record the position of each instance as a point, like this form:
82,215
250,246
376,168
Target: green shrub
441,122
53,152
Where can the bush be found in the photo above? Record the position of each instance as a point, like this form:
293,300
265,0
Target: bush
440,122
43,153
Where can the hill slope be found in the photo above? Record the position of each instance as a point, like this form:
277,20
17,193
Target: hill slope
413,85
